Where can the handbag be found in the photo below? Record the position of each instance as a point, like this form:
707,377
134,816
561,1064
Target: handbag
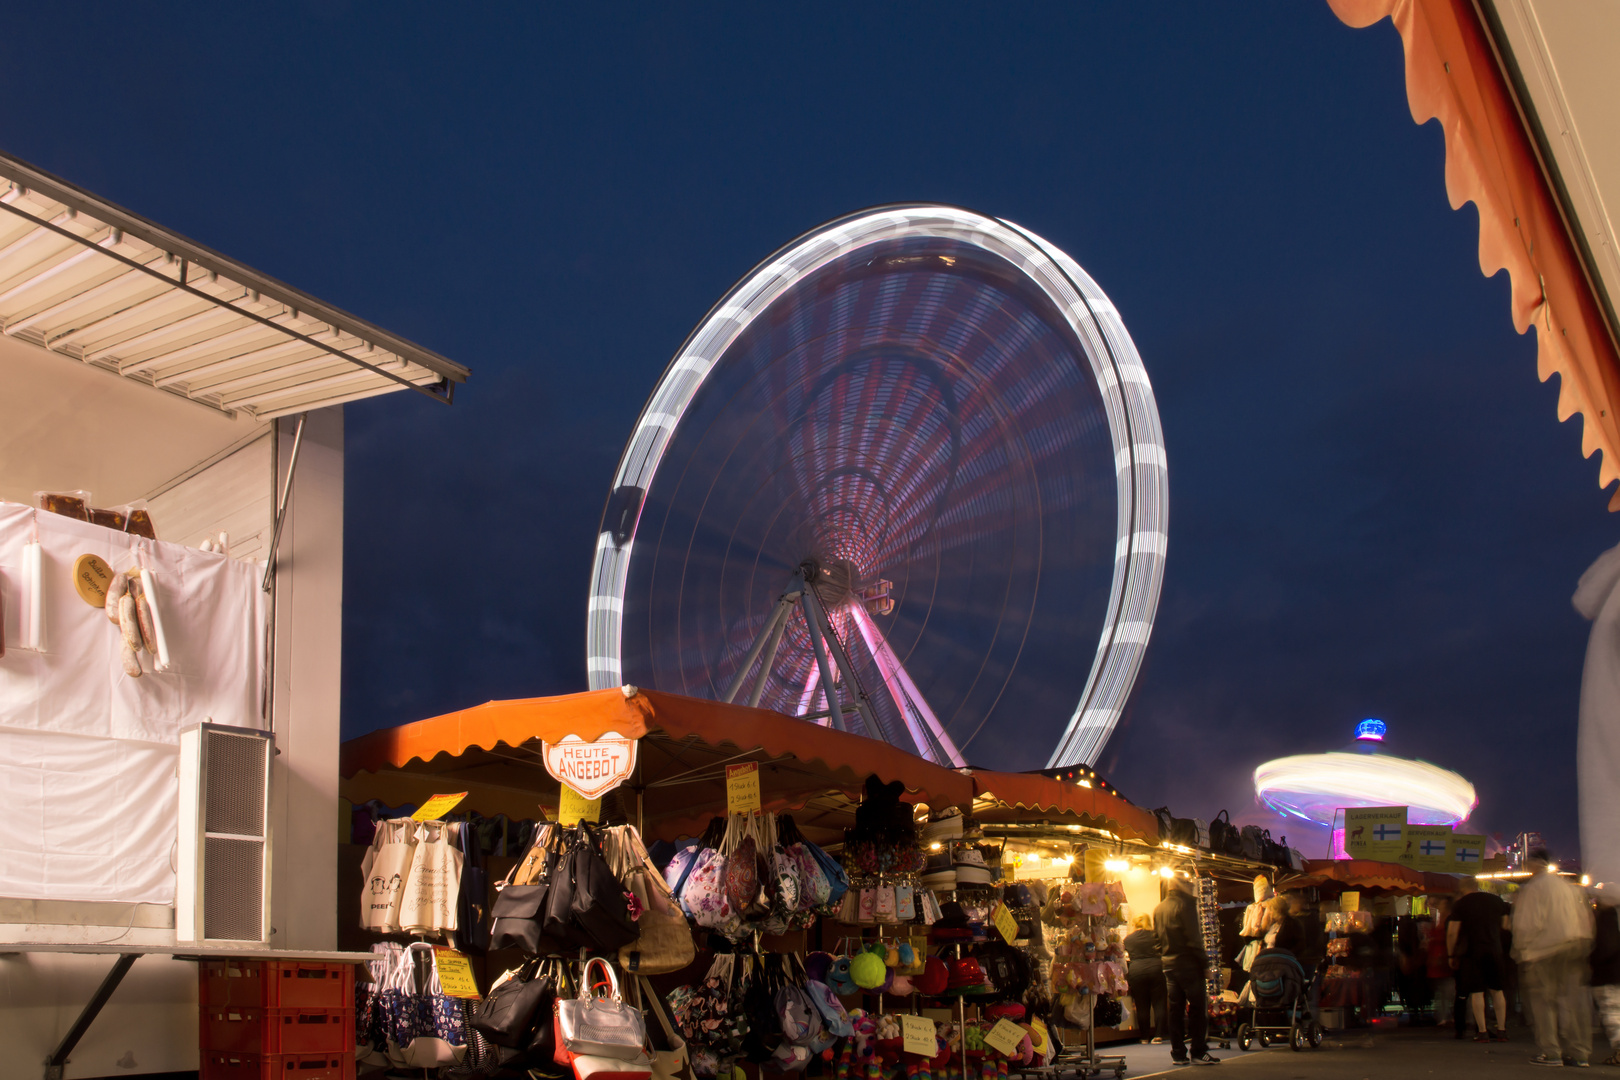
522,998
428,903
605,1027
1182,831
742,862
515,914
1250,843
393,845
664,940
585,905
671,1060
1223,836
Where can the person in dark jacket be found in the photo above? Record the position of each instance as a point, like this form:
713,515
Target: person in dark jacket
1145,975
1606,974
1175,920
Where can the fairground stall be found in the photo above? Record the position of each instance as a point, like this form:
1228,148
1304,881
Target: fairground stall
171,581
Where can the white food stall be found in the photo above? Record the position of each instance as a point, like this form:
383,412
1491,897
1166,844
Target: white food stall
150,380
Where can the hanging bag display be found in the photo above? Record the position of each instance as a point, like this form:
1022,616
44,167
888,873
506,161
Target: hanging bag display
598,909
1223,836
600,1025
385,868
742,865
428,904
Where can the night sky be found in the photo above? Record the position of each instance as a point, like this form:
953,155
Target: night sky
1373,509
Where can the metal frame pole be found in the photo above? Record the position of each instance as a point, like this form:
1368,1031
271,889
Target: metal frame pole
281,504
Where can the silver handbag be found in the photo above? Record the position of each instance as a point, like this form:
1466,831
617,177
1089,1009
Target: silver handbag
600,1026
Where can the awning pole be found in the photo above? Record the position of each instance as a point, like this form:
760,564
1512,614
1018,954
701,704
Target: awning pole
281,504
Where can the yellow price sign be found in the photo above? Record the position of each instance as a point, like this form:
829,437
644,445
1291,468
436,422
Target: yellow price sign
742,788
920,1035
438,806
1004,922
455,974
1350,901
1004,1037
572,808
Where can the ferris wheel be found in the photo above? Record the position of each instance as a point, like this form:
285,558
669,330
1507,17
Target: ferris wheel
906,478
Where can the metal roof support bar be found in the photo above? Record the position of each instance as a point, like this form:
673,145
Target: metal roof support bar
56,1064
281,503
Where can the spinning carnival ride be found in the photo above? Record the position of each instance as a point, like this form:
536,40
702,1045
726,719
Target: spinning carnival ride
906,478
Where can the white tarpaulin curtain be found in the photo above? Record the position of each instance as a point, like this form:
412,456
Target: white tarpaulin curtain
87,753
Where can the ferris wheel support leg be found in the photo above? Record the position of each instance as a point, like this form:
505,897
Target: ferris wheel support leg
812,604
829,687
772,629
786,612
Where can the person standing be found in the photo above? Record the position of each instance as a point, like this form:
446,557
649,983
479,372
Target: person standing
1552,940
1145,976
1440,974
1175,920
1606,974
1474,944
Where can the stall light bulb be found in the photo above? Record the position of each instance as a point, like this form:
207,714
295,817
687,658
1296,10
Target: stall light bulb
1165,871
1067,860
935,846
1116,866
1085,783
1552,868
1586,879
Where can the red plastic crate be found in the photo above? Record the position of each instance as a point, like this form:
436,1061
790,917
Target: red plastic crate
249,1029
220,1065
276,984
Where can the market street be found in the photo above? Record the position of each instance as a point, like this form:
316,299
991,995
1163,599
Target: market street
1402,1054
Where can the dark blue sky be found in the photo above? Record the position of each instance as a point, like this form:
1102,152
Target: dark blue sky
1373,509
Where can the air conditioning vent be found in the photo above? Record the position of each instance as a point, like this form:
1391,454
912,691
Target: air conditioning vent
222,890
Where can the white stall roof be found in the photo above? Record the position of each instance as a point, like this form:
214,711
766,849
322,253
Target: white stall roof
95,283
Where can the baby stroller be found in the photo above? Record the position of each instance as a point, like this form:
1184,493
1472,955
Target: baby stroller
1281,1003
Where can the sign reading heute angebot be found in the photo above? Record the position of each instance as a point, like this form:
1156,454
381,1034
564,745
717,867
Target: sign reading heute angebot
591,768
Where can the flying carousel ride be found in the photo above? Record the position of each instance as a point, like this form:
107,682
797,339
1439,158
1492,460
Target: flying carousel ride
905,479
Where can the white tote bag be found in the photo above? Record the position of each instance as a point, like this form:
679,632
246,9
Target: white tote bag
385,869
429,903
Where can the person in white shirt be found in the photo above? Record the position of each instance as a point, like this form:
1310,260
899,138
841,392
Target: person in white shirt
1552,940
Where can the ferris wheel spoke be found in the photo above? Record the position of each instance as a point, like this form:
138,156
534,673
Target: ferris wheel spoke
926,730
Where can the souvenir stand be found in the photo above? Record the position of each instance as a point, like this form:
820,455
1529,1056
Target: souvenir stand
1122,843
1355,893
679,764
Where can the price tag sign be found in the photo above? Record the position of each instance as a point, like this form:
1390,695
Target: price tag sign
742,788
1003,1038
1042,1039
1350,901
919,1035
436,807
455,974
1004,922
573,808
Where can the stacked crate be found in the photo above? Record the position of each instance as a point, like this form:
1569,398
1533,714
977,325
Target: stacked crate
276,1020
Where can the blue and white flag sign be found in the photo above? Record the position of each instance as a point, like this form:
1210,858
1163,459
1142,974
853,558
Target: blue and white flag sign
1426,848
1467,853
1375,832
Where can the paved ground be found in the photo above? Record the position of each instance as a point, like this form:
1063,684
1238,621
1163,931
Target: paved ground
1399,1054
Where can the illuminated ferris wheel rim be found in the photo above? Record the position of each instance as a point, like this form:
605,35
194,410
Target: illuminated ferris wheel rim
1315,786
1115,365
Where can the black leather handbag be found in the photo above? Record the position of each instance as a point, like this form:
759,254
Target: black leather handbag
509,1015
516,913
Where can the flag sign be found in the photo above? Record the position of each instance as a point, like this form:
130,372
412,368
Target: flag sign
1374,832
1467,853
1427,848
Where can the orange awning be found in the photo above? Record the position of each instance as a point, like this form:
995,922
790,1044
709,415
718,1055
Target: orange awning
1452,74
685,745
1369,874
1015,794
